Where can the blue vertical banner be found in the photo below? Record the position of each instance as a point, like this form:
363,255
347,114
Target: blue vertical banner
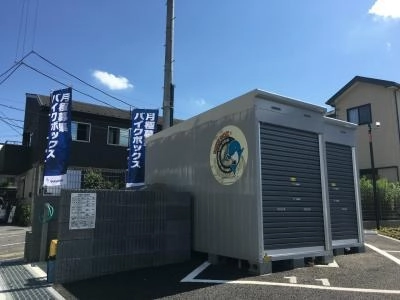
144,124
59,138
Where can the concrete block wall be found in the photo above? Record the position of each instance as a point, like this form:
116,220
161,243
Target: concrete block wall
133,230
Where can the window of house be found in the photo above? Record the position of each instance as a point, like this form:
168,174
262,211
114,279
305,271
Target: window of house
80,131
118,136
360,115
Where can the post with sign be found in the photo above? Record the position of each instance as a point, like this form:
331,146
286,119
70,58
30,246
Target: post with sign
57,150
144,124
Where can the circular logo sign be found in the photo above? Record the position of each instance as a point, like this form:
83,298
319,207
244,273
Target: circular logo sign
228,155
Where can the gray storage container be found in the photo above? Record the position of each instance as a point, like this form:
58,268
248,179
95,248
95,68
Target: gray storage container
256,167
343,184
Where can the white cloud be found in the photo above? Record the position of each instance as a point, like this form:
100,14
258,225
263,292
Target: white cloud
195,107
386,9
388,46
201,102
112,81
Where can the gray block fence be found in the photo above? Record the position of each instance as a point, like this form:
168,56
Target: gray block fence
133,229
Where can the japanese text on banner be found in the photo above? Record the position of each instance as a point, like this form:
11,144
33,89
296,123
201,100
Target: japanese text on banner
144,124
57,151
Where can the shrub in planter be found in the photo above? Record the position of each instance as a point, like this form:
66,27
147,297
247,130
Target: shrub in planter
22,216
94,179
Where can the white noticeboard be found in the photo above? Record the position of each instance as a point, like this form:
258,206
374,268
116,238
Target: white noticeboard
82,211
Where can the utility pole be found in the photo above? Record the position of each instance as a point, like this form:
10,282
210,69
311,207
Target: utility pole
168,98
374,193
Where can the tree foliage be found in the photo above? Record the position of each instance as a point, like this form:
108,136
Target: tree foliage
94,179
387,192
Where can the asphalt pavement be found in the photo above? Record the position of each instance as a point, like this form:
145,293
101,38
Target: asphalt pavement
12,241
374,274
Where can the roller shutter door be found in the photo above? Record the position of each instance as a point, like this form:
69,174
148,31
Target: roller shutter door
291,188
341,192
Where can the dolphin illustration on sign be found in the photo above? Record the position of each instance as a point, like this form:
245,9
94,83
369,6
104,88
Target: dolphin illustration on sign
228,155
233,154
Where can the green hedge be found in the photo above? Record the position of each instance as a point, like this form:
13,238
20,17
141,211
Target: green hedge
388,194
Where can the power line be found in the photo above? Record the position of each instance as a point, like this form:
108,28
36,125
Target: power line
59,82
9,135
21,20
38,114
23,26
26,27
9,69
11,107
77,78
12,123
35,23
12,126
15,64
12,72
11,119
19,30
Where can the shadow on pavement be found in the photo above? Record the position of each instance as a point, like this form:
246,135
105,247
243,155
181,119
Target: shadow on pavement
149,283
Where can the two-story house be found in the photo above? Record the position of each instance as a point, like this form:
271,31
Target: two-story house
373,103
99,141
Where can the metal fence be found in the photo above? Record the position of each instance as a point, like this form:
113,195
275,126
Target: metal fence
388,199
388,211
89,178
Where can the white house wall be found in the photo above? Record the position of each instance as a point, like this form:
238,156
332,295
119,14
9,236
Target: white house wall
386,137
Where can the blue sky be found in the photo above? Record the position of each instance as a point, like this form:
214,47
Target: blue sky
306,50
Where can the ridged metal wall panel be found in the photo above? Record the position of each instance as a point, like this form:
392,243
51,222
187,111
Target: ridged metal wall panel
291,188
341,192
